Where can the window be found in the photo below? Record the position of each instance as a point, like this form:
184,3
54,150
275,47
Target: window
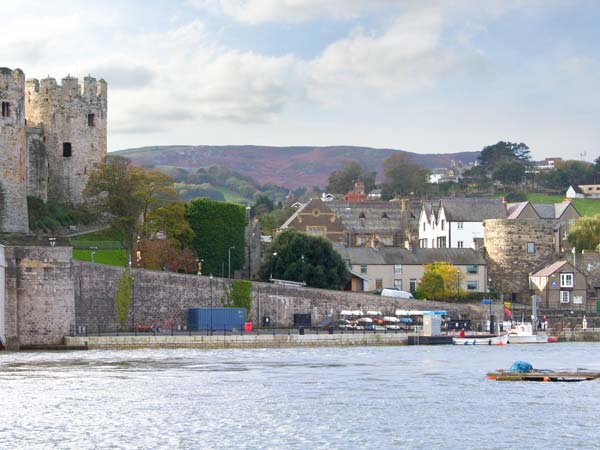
472,286
398,284
362,215
423,243
443,223
67,151
316,212
564,296
423,226
412,284
531,248
472,268
5,109
316,231
91,120
441,242
459,225
378,283
566,280
363,269
460,244
397,269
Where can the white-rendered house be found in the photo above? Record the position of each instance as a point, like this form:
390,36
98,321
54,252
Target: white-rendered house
457,222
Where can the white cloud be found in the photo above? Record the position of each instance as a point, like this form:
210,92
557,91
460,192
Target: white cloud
290,11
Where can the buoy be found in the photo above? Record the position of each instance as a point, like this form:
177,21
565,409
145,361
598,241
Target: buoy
500,343
491,377
546,378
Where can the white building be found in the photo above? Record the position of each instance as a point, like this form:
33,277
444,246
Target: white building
584,191
456,222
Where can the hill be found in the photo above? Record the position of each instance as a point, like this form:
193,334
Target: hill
289,167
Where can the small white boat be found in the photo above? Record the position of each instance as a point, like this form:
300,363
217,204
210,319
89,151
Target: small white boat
481,339
522,333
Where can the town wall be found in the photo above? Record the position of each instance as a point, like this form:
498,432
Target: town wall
74,119
13,159
509,263
39,303
162,299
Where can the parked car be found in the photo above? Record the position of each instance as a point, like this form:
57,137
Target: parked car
396,293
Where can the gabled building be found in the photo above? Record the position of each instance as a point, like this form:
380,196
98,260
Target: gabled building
316,218
584,191
456,222
400,268
561,212
560,285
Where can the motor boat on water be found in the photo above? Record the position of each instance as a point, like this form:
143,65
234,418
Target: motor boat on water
523,333
481,339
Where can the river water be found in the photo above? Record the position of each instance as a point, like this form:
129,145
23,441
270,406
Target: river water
327,398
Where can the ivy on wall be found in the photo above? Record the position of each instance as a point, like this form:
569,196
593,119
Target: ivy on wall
239,295
218,226
123,297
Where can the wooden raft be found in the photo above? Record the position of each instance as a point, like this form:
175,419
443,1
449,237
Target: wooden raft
544,375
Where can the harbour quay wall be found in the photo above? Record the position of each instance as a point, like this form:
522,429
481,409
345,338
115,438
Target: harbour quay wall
163,298
235,341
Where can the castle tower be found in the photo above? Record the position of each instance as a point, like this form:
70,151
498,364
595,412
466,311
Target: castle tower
73,119
13,156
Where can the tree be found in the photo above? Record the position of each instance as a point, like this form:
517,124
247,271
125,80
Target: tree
217,227
503,151
298,257
566,173
171,220
585,233
239,295
126,194
342,181
262,205
404,177
440,280
508,172
123,297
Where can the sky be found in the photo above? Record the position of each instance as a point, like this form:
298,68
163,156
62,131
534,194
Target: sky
429,76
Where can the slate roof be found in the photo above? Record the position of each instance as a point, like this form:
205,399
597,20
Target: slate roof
550,210
549,270
417,257
372,217
473,209
514,210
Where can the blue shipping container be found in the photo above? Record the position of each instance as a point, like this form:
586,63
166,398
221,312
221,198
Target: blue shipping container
219,319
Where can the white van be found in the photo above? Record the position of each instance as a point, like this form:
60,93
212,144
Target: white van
396,293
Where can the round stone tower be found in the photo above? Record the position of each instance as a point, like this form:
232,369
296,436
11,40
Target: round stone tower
13,156
514,249
74,122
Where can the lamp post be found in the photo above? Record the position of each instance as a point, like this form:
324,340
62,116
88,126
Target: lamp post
229,262
138,253
211,301
302,258
199,261
274,255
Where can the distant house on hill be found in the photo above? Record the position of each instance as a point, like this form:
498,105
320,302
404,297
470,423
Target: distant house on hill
584,191
456,222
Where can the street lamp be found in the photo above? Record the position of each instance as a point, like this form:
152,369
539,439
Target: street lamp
229,262
199,261
457,284
274,255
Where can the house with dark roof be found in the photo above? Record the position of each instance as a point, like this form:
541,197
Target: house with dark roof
372,223
563,212
560,285
456,222
400,268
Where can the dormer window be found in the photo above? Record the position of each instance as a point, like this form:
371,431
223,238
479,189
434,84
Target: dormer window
384,216
362,216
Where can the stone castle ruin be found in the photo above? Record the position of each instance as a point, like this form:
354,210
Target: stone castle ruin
51,136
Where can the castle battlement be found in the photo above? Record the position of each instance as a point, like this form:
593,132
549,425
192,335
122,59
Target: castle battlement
69,87
9,76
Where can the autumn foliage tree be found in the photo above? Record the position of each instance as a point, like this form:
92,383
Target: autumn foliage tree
440,280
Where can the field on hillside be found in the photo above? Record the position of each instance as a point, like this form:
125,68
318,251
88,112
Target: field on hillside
585,206
109,250
109,257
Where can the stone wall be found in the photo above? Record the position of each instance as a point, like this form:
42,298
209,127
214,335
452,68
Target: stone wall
37,166
162,299
70,114
509,263
13,159
40,307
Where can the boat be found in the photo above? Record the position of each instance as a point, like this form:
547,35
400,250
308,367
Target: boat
481,339
523,371
523,333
